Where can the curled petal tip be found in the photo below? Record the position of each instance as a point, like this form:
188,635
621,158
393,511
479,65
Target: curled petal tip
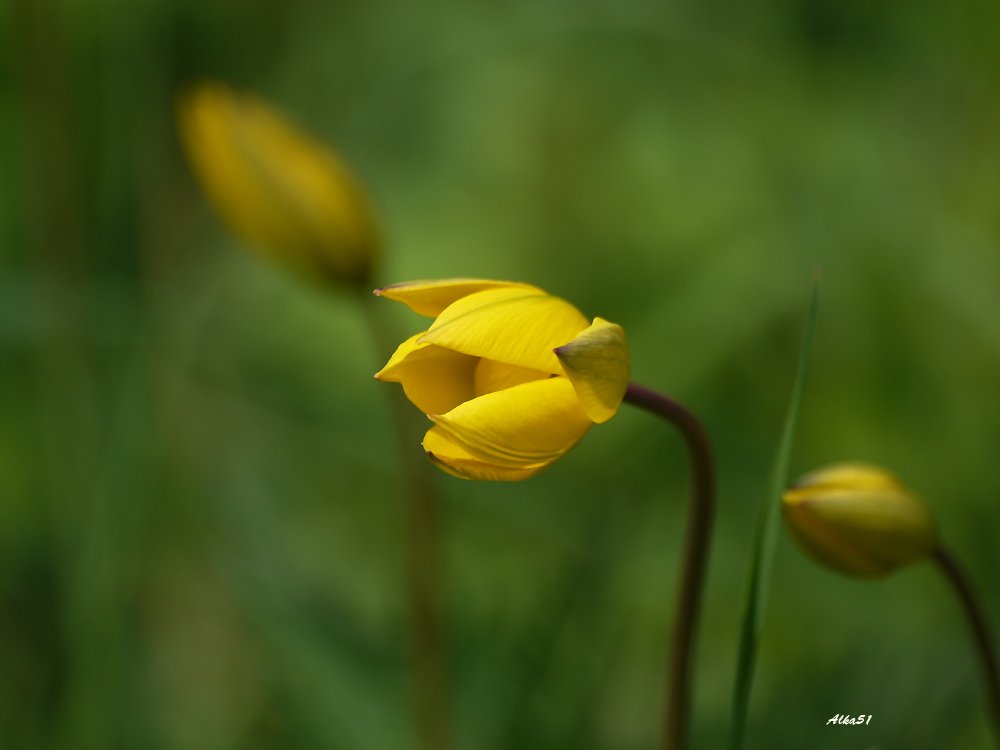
598,364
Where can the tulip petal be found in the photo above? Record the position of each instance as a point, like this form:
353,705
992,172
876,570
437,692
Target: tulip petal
598,364
826,546
435,379
430,298
850,475
519,427
492,376
451,457
516,326
866,532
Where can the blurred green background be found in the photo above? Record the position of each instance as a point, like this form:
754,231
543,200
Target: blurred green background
200,531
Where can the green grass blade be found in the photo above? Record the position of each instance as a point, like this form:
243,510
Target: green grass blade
765,539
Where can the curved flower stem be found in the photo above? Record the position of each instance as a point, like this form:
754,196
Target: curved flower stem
422,553
696,542
962,584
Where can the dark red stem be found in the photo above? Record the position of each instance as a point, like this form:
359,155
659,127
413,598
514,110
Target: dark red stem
979,623
697,536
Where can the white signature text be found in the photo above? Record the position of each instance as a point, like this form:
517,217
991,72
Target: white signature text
845,719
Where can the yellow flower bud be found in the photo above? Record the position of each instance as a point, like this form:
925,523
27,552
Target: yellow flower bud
283,191
859,520
511,377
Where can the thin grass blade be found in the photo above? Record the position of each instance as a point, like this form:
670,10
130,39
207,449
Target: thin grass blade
765,539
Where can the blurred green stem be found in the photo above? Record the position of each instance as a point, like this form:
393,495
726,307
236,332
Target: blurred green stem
422,530
979,623
85,713
697,537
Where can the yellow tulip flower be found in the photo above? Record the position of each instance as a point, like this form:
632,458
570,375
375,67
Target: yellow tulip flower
511,377
859,520
283,191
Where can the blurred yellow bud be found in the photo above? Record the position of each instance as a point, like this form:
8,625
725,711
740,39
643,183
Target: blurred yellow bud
511,377
280,189
859,520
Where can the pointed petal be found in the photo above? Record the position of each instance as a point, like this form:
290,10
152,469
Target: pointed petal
516,326
454,459
521,426
435,379
599,365
430,298
402,352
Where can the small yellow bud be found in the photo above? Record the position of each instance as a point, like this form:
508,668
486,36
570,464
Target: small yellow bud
859,520
280,189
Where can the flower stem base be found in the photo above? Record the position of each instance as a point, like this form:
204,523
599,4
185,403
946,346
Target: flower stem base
976,614
697,536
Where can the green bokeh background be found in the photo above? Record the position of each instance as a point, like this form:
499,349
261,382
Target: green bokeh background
200,527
